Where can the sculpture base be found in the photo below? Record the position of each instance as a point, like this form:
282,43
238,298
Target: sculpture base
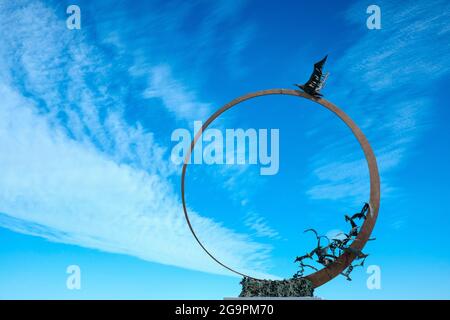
291,288
272,298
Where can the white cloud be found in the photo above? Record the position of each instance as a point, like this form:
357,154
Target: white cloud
175,97
410,49
75,170
335,234
92,201
260,226
70,83
383,78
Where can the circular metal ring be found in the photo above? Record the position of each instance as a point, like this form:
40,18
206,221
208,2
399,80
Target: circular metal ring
324,275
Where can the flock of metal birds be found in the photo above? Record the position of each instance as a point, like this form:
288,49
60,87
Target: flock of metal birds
326,254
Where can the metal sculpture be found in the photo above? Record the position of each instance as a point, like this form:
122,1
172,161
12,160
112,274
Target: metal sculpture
339,244
316,81
337,264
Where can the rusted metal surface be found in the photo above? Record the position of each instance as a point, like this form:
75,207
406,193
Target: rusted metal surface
326,274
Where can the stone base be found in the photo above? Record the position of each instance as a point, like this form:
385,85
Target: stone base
271,298
295,287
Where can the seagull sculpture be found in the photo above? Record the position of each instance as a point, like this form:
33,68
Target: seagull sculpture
316,81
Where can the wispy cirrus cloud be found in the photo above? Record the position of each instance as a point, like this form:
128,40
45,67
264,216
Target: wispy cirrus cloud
175,97
76,170
72,84
260,226
384,80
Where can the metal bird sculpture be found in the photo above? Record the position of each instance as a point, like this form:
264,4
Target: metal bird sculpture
325,255
362,214
316,81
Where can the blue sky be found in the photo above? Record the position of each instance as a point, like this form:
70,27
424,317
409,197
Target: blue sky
86,118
